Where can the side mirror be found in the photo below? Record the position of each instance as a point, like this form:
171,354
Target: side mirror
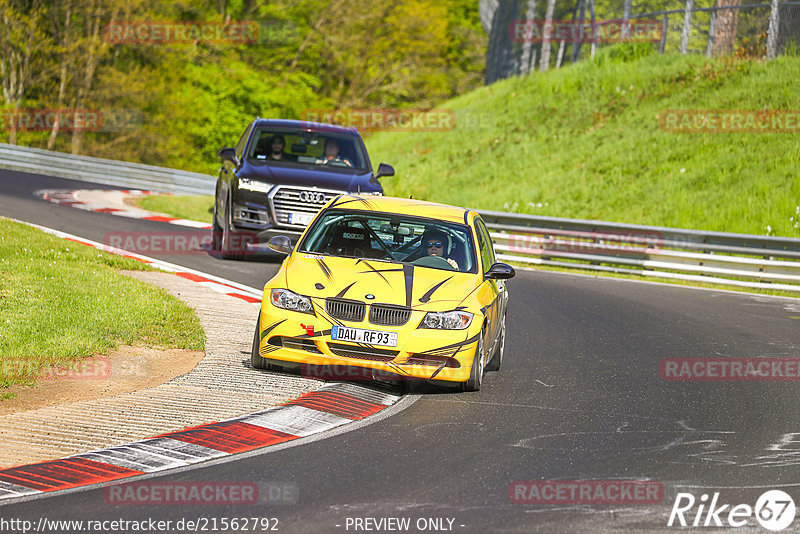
384,170
228,154
280,244
500,271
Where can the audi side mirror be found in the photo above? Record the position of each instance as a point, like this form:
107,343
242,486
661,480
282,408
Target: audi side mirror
500,271
228,154
280,244
384,170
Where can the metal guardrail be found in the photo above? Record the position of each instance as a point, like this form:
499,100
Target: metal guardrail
723,258
104,171
718,257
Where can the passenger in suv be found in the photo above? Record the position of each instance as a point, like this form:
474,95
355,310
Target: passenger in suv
259,195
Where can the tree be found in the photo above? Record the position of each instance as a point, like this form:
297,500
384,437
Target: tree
90,48
726,25
21,60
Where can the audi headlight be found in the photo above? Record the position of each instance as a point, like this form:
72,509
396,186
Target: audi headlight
370,193
452,320
254,185
288,300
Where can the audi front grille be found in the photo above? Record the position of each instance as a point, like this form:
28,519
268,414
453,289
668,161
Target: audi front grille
286,200
345,310
387,315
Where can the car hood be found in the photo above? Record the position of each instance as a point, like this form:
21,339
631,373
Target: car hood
309,176
400,284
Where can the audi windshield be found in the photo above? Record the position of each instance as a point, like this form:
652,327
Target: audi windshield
284,147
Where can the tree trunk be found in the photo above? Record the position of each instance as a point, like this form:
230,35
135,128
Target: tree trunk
96,18
66,44
725,25
544,61
18,37
527,60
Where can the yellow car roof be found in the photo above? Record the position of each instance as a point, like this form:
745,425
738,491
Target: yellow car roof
402,206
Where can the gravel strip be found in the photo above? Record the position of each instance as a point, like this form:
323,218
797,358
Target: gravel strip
221,386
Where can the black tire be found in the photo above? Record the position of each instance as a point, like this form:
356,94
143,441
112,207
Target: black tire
497,356
255,358
216,232
476,372
225,249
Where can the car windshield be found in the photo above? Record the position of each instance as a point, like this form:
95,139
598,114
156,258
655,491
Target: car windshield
300,147
390,237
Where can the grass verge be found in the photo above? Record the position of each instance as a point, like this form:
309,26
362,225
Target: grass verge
585,141
195,208
61,301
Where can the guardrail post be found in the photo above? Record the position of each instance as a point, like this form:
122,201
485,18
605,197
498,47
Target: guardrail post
664,28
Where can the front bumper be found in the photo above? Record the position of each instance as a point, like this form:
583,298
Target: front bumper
303,343
254,221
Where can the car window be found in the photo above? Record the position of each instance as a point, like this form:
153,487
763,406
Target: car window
307,148
243,141
388,237
486,247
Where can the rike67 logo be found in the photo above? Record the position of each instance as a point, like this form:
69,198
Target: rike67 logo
774,510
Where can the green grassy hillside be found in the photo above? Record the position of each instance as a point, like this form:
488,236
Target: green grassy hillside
585,141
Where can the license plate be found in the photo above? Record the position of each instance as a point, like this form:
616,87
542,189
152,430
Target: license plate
360,335
300,218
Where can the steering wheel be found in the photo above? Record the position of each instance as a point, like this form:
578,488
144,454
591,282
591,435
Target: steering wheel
436,262
338,162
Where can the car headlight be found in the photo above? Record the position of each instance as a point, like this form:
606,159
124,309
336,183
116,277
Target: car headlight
370,193
254,185
288,300
452,320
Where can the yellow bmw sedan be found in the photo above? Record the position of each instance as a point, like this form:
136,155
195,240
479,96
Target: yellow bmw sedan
394,288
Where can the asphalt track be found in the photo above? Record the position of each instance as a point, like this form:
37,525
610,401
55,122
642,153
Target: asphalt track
580,396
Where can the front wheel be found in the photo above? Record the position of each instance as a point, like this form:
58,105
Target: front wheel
255,358
476,372
229,248
216,231
497,356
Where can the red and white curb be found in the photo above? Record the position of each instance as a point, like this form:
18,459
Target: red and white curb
333,405
112,201
328,407
215,283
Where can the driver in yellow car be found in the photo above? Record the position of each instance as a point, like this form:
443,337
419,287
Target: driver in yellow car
437,243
